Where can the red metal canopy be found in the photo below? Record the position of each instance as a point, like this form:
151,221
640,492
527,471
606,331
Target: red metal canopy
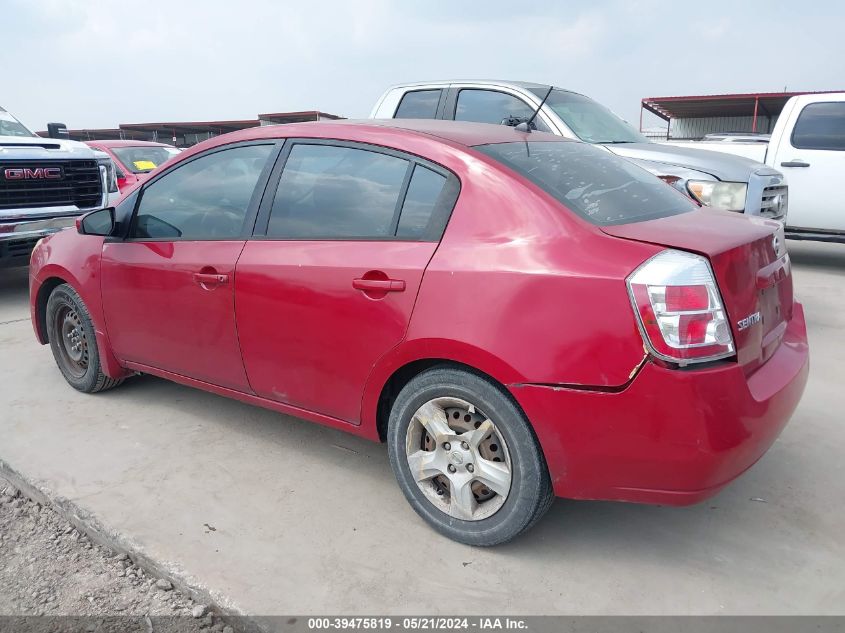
169,130
769,104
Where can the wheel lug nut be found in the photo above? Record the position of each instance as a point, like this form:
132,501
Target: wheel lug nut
451,468
470,467
465,446
446,446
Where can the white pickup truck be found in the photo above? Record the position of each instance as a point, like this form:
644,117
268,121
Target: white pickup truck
808,145
45,184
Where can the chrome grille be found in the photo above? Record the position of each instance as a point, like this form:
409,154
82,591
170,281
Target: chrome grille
80,185
774,202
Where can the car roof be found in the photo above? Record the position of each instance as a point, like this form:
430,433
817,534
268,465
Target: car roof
125,143
464,132
459,132
497,82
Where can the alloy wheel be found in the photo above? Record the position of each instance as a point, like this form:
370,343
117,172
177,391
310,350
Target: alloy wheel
458,458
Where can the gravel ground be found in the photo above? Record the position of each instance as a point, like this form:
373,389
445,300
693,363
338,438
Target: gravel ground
47,568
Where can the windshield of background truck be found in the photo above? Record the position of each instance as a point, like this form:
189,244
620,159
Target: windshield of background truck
589,121
142,159
10,126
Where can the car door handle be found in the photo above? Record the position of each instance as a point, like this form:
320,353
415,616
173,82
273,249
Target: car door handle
381,285
210,279
794,163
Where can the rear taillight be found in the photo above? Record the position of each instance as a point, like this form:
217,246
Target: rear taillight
679,309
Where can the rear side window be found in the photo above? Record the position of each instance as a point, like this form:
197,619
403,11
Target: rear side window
820,126
206,198
418,104
330,192
597,185
425,195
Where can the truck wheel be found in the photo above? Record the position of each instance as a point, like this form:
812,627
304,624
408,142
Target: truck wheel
74,345
466,458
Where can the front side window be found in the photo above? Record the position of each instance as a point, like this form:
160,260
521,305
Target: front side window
599,186
206,198
331,192
418,104
490,106
820,126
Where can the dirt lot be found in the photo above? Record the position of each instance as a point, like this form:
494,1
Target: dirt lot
48,568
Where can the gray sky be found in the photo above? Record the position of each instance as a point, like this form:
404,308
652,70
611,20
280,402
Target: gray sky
97,63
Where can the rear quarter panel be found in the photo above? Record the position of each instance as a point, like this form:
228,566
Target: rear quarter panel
529,286
523,290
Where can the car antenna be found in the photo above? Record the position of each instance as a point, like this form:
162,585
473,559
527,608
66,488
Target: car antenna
525,126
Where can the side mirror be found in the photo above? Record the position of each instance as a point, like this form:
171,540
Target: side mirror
512,121
57,130
99,222
520,123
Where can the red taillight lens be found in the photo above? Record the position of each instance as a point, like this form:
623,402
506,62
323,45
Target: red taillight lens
686,298
679,308
692,328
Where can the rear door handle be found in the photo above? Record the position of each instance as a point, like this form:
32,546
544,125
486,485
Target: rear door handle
380,285
210,279
794,163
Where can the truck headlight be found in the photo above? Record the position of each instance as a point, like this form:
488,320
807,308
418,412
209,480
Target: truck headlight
111,175
722,195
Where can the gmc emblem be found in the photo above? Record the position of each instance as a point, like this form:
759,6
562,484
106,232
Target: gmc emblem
39,173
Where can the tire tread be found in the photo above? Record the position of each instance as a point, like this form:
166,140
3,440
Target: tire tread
102,382
469,379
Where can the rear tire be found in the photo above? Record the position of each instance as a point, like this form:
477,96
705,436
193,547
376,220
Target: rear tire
466,458
74,343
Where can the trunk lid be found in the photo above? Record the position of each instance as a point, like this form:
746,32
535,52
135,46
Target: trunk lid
749,259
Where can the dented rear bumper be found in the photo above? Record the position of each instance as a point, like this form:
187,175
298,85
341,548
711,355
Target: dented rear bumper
671,436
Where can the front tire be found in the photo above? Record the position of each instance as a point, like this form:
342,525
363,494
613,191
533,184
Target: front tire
74,343
466,457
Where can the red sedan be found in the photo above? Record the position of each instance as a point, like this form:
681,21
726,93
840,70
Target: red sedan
134,160
517,315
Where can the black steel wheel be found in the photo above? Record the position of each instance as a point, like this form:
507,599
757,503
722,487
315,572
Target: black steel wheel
73,342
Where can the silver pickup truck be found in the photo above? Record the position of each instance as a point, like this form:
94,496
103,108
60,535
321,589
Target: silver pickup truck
714,179
45,184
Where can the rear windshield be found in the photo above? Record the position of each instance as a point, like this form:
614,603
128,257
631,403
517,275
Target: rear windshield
597,185
142,159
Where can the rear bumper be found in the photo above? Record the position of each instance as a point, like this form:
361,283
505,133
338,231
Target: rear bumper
671,436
